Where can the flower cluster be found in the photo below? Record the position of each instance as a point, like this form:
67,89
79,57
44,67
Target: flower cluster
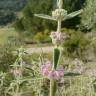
58,37
59,14
47,71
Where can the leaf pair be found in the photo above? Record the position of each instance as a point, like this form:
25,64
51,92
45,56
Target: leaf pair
69,16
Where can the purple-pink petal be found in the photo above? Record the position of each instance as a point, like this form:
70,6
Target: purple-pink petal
46,70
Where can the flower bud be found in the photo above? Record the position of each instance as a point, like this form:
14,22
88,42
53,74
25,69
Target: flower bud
59,14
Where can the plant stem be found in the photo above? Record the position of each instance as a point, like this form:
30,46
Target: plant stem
59,26
52,87
60,4
59,20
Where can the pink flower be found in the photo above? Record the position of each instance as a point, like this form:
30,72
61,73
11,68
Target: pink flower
46,68
58,37
47,71
54,75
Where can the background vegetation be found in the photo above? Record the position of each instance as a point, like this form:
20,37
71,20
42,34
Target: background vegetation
8,9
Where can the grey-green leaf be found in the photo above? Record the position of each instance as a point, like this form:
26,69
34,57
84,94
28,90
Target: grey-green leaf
44,16
73,14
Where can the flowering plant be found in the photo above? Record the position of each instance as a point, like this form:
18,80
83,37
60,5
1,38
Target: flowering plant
49,69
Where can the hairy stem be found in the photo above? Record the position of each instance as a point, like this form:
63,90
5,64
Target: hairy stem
53,87
59,3
59,26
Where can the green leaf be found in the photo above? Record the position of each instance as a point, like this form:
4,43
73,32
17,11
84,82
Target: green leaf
56,57
72,74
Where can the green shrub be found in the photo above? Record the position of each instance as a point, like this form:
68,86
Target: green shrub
76,44
92,37
18,25
42,37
